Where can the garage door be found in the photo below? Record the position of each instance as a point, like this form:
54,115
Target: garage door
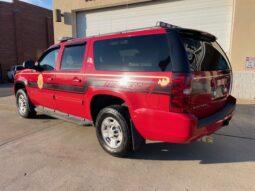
211,16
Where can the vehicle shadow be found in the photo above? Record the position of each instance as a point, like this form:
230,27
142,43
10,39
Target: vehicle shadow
234,143
225,150
42,116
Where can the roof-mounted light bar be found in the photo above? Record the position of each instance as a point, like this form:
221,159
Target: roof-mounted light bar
166,25
65,38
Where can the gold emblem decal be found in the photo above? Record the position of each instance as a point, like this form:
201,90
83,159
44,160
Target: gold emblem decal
164,82
40,81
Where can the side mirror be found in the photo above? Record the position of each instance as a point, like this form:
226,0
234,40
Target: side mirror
29,64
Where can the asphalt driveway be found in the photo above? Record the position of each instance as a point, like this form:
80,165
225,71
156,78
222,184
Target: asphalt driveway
50,154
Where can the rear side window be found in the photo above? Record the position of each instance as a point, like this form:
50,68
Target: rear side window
141,53
73,57
205,56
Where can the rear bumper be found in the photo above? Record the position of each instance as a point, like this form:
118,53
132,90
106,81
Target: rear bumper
180,128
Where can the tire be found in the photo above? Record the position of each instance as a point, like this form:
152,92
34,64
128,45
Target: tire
25,108
113,130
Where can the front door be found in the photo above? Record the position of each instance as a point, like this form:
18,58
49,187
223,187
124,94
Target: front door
41,85
70,80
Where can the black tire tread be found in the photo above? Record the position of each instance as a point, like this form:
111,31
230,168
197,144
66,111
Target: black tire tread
31,113
122,113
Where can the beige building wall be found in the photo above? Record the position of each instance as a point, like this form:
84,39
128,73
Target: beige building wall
243,45
243,39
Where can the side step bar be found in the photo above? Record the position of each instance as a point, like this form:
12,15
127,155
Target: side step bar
64,116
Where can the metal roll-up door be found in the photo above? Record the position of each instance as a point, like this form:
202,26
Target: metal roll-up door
211,16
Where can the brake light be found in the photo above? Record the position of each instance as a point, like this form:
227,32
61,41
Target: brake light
180,95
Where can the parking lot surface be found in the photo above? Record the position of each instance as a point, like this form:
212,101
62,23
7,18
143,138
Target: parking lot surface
51,154
6,89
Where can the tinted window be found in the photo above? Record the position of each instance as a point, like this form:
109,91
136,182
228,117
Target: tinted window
73,57
19,68
49,60
143,53
205,56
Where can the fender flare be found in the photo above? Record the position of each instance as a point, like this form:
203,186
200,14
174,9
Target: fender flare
92,92
19,82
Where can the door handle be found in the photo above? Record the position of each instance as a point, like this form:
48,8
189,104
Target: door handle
77,80
49,78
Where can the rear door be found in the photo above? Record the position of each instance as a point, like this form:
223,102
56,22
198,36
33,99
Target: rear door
70,80
212,76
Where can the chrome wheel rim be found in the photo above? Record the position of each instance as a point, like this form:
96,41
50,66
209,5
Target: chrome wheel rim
22,104
111,132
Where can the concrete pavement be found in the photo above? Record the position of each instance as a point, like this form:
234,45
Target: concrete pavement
50,154
6,89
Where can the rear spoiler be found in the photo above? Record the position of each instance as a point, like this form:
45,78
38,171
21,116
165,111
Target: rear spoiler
200,35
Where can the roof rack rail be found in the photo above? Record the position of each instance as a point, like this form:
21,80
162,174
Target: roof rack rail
158,24
65,38
123,31
166,25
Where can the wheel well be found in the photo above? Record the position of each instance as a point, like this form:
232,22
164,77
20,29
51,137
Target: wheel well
101,101
19,86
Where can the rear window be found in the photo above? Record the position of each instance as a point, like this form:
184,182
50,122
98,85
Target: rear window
205,56
142,53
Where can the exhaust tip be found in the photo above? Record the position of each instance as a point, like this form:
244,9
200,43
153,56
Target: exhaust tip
207,139
226,123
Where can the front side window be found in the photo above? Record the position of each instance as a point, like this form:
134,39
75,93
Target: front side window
73,57
141,53
49,60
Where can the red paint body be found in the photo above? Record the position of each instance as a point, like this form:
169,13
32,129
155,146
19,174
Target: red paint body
150,112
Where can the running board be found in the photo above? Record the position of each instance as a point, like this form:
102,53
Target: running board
64,116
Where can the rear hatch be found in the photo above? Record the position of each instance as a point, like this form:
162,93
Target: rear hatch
211,74
205,74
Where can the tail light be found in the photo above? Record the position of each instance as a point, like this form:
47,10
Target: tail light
180,92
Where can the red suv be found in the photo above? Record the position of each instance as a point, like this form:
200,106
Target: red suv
163,83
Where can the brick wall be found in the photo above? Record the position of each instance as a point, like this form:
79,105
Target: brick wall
26,31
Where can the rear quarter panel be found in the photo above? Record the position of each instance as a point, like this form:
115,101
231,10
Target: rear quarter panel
138,89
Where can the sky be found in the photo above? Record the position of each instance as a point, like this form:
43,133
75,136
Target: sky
42,3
